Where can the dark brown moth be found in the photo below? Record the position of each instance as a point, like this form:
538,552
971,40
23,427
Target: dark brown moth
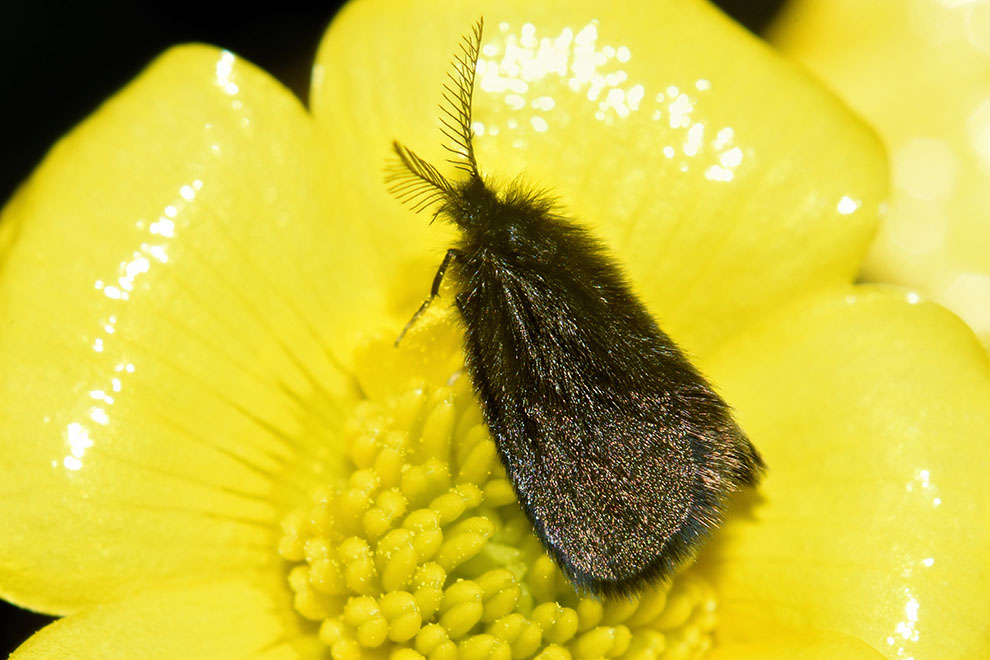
621,454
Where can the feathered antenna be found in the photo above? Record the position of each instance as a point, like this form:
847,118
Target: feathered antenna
413,180
457,96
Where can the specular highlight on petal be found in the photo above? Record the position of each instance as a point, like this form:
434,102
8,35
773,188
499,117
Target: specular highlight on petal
177,309
725,179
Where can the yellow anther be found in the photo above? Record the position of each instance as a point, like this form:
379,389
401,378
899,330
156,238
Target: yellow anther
425,523
484,647
290,548
522,635
327,577
479,459
438,428
500,593
651,605
342,644
360,609
299,577
394,541
515,560
318,548
392,502
589,611
454,502
471,415
681,601
388,465
554,652
458,548
396,559
427,586
420,483
421,520
602,642
462,591
332,630
361,578
323,518
480,525
364,447
648,645
351,507
434,643
705,618
402,613
389,506
403,653
365,481
498,492
461,608
559,623
353,547
312,604
543,577
406,407
359,567
364,616
619,610
346,649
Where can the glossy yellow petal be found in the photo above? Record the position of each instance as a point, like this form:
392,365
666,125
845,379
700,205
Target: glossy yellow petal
170,288
872,411
815,645
724,179
920,73
216,620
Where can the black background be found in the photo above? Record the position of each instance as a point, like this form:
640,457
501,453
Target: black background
59,62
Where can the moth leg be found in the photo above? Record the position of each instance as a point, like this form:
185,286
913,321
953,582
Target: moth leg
452,254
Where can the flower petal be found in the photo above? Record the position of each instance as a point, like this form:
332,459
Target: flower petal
815,645
919,72
692,149
234,619
873,415
170,291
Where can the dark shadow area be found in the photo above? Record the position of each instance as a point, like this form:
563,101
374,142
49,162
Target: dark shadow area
59,62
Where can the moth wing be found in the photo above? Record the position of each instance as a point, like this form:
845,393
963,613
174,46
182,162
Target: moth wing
620,453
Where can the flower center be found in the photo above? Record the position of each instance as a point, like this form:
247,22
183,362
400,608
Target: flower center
423,551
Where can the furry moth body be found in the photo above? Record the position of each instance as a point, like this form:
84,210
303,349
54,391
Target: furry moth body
619,451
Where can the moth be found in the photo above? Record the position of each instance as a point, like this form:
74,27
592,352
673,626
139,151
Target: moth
621,455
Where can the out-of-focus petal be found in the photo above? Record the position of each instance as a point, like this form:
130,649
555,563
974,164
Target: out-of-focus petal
816,645
872,411
723,178
236,620
920,73
171,282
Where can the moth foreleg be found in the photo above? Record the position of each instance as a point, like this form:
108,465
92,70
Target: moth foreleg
452,254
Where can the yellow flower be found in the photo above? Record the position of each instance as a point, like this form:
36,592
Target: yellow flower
920,73
198,402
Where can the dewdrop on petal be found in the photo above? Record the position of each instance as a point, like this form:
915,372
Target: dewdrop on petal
421,551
